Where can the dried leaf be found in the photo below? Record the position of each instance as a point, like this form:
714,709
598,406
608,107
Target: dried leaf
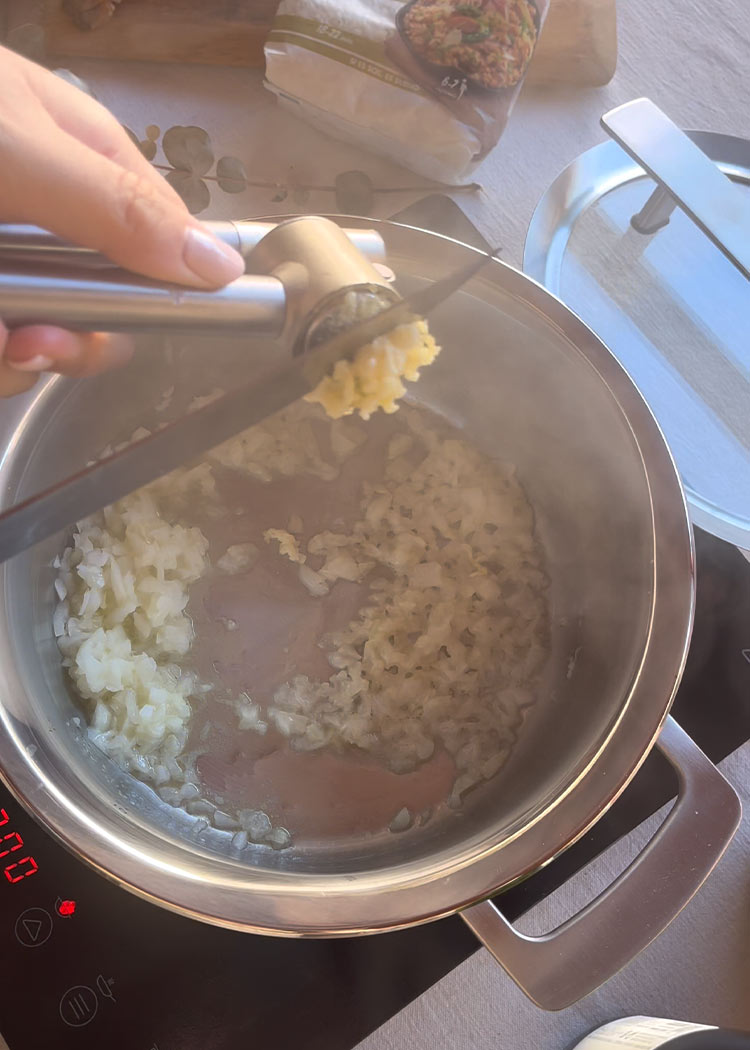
153,131
231,174
354,193
193,190
188,148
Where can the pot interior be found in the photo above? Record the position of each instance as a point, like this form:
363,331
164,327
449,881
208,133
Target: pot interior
514,386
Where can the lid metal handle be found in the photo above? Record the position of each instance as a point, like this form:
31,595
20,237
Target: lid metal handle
686,178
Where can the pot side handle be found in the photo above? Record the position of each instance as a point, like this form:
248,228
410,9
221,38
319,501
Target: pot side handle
561,967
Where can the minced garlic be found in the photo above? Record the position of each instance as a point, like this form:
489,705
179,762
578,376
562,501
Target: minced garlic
287,544
372,379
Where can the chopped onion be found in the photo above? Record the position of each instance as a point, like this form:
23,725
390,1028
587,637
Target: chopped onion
445,651
401,821
287,543
444,654
238,558
313,581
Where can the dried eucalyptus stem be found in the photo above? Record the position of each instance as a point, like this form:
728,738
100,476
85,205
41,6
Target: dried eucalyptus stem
191,158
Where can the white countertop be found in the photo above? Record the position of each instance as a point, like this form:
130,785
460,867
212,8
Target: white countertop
691,58
688,56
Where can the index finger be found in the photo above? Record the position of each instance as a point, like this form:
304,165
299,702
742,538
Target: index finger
91,123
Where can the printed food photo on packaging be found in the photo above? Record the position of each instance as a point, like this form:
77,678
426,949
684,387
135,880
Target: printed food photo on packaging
429,83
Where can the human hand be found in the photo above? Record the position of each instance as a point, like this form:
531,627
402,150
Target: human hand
67,165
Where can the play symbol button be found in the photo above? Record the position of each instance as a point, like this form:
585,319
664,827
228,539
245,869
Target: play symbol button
33,927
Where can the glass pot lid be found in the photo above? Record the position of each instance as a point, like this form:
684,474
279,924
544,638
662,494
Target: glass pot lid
669,303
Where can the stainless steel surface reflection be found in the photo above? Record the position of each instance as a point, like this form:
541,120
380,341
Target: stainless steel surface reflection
670,305
526,381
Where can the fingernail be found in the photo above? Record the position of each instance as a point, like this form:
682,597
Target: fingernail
38,363
211,259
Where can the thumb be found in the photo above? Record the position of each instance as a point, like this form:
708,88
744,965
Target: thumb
11,381
85,197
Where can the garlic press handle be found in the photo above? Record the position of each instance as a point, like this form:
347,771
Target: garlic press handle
113,300
294,270
33,244
686,178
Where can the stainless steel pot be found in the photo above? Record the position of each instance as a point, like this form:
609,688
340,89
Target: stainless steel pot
528,382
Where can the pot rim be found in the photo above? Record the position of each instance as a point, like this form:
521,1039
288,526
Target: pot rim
299,904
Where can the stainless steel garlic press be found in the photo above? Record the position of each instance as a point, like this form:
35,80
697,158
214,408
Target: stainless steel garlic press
295,270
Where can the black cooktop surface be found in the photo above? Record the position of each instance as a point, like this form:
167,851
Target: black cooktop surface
87,965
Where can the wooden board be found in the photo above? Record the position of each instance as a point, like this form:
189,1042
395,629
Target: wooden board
578,44
212,33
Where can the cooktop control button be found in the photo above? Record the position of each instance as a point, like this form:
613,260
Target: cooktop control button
33,927
78,1006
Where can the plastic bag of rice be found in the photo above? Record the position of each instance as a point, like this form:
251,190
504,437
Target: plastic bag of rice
429,83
